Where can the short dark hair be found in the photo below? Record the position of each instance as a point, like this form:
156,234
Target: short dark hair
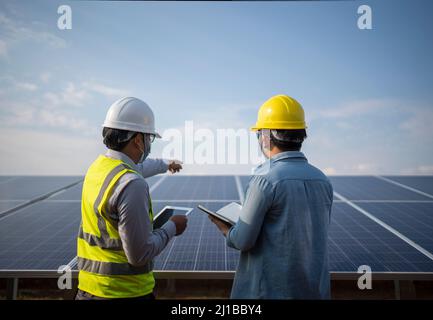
117,139
288,140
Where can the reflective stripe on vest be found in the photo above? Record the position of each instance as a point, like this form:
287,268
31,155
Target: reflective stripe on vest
103,265
110,268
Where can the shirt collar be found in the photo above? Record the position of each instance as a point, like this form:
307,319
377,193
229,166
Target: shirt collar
263,167
121,156
288,155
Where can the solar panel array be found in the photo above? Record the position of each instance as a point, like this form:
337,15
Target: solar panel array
383,222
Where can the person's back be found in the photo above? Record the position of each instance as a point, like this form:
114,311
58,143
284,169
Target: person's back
282,229
289,259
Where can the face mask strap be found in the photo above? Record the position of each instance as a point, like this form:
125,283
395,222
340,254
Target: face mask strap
145,152
265,135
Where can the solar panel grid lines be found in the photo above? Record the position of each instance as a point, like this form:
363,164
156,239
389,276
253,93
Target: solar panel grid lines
365,243
406,187
26,239
372,188
155,184
386,226
422,183
41,193
412,220
197,187
29,187
204,243
43,235
198,246
6,179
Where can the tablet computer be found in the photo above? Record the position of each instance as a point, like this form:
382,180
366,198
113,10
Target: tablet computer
229,213
162,216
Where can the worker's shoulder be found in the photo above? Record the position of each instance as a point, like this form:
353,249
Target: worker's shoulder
301,171
132,180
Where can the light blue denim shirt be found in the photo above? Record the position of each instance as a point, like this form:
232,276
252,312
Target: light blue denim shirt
282,232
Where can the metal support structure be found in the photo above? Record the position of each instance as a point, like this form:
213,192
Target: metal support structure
171,286
397,289
404,289
12,288
407,290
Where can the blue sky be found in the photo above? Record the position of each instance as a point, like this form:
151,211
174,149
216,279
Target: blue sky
367,94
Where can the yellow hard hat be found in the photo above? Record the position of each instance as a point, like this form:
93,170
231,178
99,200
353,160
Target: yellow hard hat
280,112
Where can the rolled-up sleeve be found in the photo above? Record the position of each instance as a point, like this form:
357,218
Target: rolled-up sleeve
258,200
140,243
151,167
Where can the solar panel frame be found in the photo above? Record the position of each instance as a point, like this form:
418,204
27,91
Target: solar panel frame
6,205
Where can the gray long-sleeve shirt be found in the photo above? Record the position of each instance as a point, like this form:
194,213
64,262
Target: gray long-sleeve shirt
129,206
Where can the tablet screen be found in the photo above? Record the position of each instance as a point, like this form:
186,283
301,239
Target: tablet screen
166,213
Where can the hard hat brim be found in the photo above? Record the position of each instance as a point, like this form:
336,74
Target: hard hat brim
287,127
130,128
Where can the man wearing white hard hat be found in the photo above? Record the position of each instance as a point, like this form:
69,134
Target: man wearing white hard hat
116,242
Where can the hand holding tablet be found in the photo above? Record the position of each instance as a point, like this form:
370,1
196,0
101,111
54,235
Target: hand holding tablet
228,214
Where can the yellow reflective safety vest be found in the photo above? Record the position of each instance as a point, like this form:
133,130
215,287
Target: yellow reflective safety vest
104,270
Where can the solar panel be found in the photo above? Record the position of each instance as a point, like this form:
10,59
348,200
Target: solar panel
372,188
40,237
7,179
26,188
9,204
197,188
356,240
74,193
200,247
43,235
422,183
414,220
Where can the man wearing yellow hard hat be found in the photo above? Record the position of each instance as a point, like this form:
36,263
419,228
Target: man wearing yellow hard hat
283,227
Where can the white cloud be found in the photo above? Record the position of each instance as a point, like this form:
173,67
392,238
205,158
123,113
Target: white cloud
53,109
27,86
45,77
354,109
107,91
419,170
20,116
58,119
34,116
69,96
366,168
419,124
224,116
81,94
329,171
36,113
48,153
3,48
14,31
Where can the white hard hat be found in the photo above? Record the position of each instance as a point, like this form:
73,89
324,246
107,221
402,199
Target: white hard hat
131,114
